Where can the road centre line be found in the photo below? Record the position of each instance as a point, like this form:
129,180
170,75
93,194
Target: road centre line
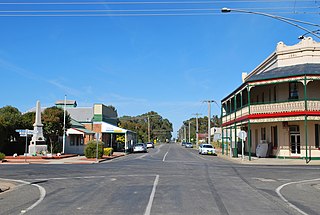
149,206
278,191
164,157
41,190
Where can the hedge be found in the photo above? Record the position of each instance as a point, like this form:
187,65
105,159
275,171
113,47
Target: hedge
107,151
91,147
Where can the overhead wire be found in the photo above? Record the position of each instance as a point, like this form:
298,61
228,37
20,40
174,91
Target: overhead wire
141,10
148,2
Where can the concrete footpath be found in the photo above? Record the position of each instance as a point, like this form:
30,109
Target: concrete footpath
63,159
269,161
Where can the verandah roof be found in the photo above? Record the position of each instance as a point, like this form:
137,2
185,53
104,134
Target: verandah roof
287,71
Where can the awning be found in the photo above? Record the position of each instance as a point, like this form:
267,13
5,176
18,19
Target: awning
108,128
78,131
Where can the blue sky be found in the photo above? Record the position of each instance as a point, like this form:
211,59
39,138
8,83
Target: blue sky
168,63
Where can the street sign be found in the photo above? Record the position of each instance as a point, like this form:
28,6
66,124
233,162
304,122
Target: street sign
25,132
242,135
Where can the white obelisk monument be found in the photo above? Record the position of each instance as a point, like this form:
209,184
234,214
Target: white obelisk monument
37,137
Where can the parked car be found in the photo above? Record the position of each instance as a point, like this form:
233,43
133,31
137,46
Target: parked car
207,149
183,143
140,147
150,145
188,145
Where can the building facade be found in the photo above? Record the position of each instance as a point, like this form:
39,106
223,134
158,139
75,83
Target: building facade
99,119
278,104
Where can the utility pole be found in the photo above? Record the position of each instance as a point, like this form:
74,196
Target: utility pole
189,131
197,128
148,128
64,125
185,133
209,119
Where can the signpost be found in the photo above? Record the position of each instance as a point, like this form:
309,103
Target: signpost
97,138
242,135
25,133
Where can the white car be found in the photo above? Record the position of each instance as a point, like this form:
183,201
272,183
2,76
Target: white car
140,147
150,145
207,149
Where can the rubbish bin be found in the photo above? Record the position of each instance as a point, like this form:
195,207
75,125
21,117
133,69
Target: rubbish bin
235,149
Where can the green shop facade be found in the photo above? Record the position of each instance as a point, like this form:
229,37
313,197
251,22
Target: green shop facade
278,104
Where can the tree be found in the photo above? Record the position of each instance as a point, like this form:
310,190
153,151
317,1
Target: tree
160,128
9,121
202,126
52,119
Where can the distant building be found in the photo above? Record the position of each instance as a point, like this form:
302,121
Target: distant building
99,119
68,103
279,103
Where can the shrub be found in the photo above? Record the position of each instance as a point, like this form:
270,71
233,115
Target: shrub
108,151
90,149
2,156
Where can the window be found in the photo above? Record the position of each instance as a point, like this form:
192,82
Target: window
294,129
293,90
71,140
269,94
317,136
263,133
274,136
76,140
275,93
262,99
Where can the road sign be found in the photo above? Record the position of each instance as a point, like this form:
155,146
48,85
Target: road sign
25,132
242,135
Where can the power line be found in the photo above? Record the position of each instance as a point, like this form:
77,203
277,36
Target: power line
149,2
138,10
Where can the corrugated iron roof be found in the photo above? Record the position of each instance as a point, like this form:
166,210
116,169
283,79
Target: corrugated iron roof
287,71
81,114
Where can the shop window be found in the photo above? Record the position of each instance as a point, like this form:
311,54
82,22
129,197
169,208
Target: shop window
293,90
317,136
263,133
274,136
269,94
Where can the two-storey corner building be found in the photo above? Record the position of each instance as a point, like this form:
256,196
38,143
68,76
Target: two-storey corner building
278,103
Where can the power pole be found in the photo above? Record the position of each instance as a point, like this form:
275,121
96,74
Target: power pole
197,128
148,128
189,132
209,119
64,125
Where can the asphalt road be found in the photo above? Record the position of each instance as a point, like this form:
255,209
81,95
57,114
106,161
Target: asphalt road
170,179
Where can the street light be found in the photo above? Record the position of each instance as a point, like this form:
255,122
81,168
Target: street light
303,35
280,18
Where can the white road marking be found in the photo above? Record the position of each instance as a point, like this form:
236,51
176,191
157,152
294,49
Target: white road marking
142,156
265,179
41,189
278,190
164,157
90,177
149,206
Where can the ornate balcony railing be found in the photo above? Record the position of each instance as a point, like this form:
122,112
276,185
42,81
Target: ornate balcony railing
270,108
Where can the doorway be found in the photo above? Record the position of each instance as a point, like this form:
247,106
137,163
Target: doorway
295,144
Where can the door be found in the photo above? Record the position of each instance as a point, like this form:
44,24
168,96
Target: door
295,144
